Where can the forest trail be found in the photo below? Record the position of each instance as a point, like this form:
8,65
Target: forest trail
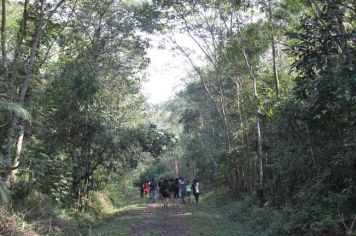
137,217
157,220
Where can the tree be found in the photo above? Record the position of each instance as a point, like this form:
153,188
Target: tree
325,51
17,81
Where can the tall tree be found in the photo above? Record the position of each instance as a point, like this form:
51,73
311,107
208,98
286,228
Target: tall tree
18,94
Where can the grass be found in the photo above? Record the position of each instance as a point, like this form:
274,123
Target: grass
119,223
216,215
127,212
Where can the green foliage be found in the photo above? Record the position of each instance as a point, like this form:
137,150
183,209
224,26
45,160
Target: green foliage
156,141
90,125
325,56
314,174
15,108
306,136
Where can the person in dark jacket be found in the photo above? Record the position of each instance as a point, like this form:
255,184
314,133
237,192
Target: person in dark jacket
142,189
176,188
165,192
171,189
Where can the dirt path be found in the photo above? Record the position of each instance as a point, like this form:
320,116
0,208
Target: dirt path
157,220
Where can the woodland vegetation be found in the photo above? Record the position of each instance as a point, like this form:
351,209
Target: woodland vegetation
268,118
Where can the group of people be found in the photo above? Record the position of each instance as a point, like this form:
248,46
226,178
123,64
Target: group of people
170,189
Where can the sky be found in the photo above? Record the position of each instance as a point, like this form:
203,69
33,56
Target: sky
164,74
167,69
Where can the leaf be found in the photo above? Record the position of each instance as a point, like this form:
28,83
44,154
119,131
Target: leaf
16,108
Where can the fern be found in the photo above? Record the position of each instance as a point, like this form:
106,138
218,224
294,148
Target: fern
16,108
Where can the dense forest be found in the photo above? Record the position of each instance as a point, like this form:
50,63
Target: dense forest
266,116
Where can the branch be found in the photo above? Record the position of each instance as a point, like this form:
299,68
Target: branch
52,12
349,7
198,44
197,69
47,56
88,174
36,41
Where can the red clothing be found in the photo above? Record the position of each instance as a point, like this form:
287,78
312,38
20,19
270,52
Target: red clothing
147,187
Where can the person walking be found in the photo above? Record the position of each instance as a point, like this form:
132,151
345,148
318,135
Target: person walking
176,188
165,192
179,189
188,189
171,189
154,188
142,189
160,182
183,190
147,188
196,189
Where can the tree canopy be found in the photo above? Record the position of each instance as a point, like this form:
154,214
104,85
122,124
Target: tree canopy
268,112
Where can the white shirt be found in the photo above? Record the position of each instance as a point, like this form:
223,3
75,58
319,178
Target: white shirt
197,187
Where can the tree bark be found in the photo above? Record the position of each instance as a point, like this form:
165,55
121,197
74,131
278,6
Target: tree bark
15,162
275,72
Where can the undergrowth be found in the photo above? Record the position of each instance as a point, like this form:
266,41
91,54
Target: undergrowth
219,214
125,211
111,211
13,224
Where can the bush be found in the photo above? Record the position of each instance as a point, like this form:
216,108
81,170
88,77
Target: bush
100,203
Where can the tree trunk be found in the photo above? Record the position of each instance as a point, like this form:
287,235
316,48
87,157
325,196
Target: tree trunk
33,53
176,167
26,83
40,27
85,199
257,110
21,35
275,72
259,137
16,159
8,148
235,183
223,109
